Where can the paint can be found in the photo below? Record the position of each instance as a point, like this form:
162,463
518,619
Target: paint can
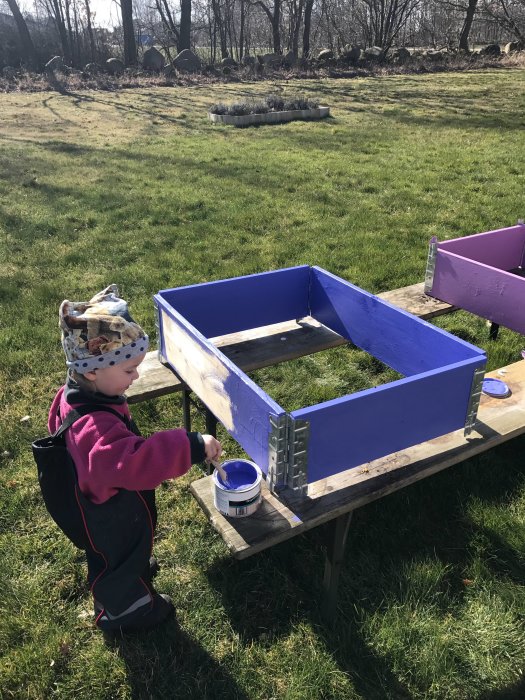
241,495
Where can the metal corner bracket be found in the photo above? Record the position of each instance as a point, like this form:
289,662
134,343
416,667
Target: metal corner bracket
475,396
431,264
288,454
158,335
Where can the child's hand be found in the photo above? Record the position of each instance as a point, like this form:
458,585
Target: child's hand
212,448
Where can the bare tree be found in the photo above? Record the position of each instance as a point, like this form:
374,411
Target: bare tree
28,47
128,31
387,17
467,25
185,25
509,15
273,12
308,7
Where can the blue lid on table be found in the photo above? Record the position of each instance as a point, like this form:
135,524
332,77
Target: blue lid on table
495,388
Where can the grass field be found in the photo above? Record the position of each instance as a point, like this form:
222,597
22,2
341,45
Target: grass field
139,188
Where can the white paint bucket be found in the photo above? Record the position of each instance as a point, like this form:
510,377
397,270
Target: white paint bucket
241,495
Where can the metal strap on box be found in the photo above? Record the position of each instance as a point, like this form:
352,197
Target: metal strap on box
431,264
161,359
288,454
475,396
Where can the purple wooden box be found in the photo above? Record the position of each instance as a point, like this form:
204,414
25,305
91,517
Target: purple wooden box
483,274
439,391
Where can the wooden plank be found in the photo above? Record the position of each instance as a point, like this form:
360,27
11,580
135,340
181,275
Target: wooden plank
499,420
414,300
154,380
234,399
249,350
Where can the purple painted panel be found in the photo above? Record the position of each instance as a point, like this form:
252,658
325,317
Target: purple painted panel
235,400
240,303
364,426
402,341
503,248
483,290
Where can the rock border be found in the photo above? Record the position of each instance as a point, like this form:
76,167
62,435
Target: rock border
270,117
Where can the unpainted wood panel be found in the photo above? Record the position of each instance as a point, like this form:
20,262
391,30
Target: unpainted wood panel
234,399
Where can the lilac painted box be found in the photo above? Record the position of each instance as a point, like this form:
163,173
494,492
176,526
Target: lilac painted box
482,274
439,391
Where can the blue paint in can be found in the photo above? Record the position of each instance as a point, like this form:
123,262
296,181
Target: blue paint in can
241,494
241,475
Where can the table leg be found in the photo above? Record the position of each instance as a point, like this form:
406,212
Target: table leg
211,423
186,408
493,331
335,547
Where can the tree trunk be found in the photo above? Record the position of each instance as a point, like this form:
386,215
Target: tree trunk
90,31
469,18
275,19
185,25
276,29
241,31
130,46
58,15
25,37
307,27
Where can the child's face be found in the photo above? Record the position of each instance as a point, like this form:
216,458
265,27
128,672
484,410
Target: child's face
116,380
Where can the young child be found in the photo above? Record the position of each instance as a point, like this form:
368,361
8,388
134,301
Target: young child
117,469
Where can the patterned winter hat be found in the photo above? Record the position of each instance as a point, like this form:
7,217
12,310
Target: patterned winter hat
100,332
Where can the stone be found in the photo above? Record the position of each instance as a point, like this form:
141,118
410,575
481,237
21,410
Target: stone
513,47
153,60
325,55
92,68
115,66
55,64
187,61
373,53
289,59
400,55
272,60
228,61
8,72
490,50
169,70
351,53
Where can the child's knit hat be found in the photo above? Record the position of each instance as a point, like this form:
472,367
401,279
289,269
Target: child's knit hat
100,332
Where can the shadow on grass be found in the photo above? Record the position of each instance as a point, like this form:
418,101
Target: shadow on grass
268,595
167,663
515,691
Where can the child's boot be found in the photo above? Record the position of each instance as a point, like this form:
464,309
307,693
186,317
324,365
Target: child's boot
146,616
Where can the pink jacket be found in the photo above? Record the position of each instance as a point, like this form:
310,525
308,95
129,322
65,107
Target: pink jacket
108,456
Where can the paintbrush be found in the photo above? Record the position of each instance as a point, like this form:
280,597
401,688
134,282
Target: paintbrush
222,473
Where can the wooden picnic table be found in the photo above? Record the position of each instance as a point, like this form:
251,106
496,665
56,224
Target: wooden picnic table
331,501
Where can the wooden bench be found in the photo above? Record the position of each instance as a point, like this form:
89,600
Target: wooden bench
332,501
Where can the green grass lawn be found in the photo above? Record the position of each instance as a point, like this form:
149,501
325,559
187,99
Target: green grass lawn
139,188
